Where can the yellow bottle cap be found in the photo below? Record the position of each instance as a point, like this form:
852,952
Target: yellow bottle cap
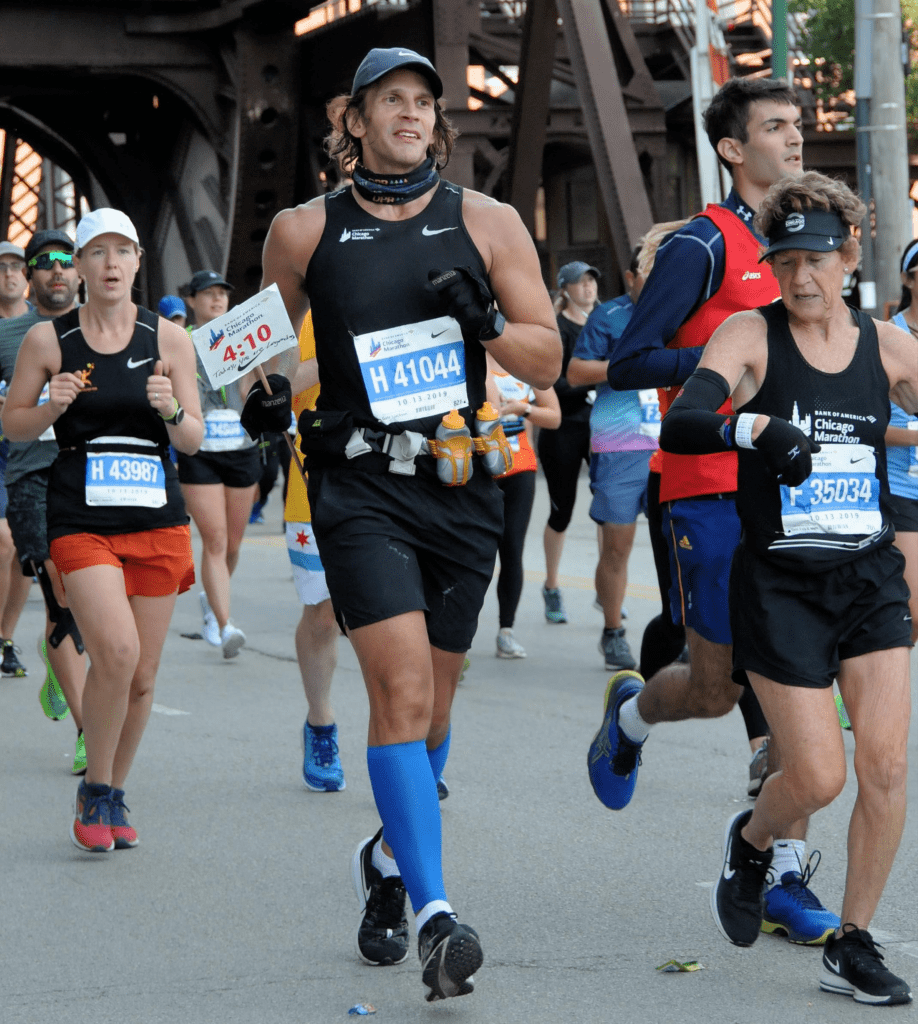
453,421
487,413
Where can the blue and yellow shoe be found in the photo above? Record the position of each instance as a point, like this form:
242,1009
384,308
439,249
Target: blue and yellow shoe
53,701
794,910
613,760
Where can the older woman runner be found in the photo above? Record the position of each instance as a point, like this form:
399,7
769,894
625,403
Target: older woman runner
816,588
122,388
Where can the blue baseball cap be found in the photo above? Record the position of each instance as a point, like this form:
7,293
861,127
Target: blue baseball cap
170,306
380,62
571,273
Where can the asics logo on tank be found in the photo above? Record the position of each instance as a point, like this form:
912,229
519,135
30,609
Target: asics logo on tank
358,234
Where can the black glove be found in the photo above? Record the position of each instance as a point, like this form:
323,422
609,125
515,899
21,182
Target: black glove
787,451
268,414
465,295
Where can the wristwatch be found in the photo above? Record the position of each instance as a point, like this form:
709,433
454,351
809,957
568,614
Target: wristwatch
176,418
495,330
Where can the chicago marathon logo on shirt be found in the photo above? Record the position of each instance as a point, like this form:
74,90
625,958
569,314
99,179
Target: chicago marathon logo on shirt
358,234
828,426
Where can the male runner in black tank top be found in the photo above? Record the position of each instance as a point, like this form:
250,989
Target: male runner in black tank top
408,560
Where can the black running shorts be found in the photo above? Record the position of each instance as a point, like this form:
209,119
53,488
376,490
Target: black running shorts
27,515
395,544
240,468
795,627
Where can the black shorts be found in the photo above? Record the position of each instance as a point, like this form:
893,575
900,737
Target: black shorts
396,544
903,513
240,468
796,627
27,515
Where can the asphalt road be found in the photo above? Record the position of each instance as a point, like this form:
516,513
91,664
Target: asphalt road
237,907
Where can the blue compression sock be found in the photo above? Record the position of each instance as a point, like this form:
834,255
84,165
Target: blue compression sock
406,797
438,756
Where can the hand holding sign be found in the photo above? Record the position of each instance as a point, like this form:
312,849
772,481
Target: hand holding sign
244,337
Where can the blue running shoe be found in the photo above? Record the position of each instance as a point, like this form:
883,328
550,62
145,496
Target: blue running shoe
613,759
322,771
794,910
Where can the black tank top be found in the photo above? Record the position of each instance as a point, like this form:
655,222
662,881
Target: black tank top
387,353
113,445
839,513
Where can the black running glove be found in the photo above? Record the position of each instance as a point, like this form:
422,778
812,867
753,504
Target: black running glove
787,451
465,296
268,414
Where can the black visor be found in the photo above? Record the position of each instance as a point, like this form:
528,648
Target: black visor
814,230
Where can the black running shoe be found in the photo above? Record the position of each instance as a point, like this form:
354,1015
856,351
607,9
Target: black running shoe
853,966
738,896
382,936
450,955
11,666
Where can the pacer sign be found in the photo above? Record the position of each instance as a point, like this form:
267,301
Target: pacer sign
245,336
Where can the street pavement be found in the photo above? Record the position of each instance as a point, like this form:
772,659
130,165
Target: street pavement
237,907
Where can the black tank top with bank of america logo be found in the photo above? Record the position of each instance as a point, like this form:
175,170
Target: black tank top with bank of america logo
387,352
838,513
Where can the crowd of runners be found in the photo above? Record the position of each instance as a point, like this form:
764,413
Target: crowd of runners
765,428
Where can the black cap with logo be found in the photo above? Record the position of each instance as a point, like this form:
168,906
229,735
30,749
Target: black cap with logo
207,279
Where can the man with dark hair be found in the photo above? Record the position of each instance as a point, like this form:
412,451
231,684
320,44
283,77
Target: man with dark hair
703,273
402,271
54,282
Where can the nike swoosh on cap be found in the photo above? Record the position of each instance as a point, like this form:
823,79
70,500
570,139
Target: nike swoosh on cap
134,363
436,231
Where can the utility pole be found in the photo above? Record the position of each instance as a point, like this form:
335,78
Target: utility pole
888,142
863,88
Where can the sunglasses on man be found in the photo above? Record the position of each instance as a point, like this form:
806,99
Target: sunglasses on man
46,260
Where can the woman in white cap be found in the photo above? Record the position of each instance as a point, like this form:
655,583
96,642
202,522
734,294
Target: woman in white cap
122,389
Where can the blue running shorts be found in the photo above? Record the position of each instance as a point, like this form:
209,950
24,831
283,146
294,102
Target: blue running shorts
702,534
618,481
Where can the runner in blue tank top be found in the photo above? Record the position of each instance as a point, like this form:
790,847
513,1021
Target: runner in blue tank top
402,271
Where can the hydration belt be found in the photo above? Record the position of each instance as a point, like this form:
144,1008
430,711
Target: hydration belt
402,449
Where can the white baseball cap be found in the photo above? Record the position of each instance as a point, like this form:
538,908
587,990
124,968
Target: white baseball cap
102,222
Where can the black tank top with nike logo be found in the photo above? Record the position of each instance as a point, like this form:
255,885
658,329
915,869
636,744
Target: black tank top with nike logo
387,353
114,406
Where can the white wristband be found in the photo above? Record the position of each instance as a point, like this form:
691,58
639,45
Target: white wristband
744,423
912,425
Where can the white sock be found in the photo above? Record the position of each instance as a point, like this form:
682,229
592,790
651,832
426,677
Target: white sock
429,910
383,863
630,721
789,855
